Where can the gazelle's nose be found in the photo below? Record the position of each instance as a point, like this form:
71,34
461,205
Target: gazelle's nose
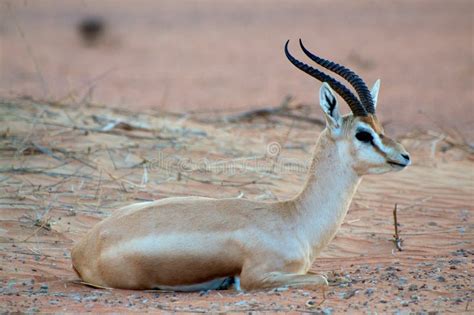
406,157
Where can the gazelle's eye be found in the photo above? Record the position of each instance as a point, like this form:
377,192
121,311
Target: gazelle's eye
364,136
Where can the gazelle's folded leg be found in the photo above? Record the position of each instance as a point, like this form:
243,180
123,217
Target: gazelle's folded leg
282,279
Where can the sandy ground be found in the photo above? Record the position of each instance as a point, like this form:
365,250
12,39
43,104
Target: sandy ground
176,73
206,55
65,168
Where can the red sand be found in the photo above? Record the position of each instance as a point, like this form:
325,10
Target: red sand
197,55
210,55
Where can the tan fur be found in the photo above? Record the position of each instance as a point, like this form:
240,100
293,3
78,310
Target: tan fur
373,122
184,241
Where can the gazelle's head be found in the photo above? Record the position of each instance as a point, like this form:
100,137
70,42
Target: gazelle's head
359,135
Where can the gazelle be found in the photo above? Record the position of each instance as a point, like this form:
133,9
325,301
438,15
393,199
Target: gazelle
196,243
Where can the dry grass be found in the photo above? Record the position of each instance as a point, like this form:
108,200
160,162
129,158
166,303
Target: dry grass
65,167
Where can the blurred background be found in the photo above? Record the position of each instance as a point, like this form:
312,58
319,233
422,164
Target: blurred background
211,55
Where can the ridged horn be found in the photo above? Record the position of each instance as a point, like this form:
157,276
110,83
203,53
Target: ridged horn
351,77
351,100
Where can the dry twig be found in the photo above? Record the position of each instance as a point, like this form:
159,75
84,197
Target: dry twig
283,110
396,237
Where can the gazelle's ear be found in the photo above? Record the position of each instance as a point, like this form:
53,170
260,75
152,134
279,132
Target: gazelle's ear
330,107
375,92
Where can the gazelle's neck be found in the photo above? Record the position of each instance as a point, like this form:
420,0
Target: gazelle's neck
327,194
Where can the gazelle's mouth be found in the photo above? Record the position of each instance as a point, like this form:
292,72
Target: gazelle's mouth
397,164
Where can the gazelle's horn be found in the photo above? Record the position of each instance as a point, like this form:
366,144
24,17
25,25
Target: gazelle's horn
358,84
347,95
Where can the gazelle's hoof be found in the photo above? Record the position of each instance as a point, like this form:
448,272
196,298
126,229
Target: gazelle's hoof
322,280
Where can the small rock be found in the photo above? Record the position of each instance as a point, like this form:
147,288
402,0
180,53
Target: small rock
76,297
349,294
253,302
413,287
404,303
241,303
205,292
327,310
282,289
369,291
91,298
44,288
402,280
441,279
462,252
